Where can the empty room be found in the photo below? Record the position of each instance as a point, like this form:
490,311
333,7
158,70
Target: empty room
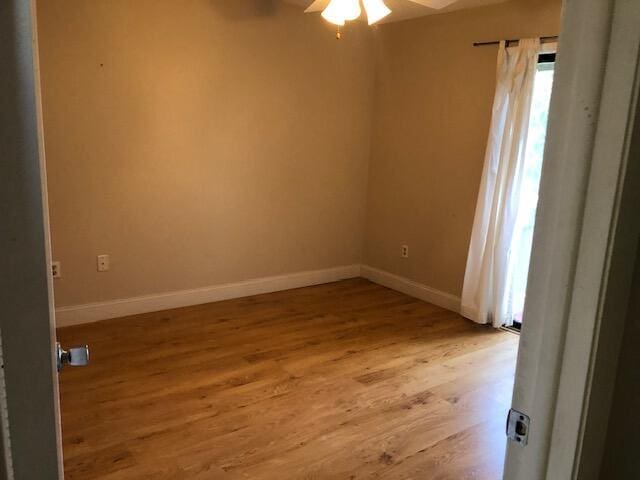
292,239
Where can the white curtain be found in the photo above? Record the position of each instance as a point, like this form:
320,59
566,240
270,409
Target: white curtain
486,294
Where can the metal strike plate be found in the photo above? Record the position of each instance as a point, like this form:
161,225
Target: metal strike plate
518,427
75,356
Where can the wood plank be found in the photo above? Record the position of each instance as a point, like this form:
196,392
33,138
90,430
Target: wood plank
343,380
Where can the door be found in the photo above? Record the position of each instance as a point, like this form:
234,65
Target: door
30,414
584,246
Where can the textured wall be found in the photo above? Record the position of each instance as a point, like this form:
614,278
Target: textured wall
201,142
433,109
212,141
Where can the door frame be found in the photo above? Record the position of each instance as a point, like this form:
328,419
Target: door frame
30,422
584,248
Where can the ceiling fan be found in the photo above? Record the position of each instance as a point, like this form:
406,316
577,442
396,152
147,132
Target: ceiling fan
340,11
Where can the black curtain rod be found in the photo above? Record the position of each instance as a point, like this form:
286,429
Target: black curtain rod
497,42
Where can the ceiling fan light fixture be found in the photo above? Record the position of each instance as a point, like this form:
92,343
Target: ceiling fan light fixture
339,11
376,10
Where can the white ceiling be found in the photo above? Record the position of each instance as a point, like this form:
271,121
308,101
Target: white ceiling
404,9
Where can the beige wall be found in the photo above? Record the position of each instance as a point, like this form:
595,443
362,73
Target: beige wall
433,108
212,141
200,142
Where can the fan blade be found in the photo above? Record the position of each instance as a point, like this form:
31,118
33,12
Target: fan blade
437,4
317,6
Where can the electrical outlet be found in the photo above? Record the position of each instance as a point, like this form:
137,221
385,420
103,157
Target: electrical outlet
103,263
405,251
56,269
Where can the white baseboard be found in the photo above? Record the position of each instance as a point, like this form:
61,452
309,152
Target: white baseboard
409,287
93,312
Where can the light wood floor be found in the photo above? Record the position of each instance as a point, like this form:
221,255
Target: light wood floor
347,380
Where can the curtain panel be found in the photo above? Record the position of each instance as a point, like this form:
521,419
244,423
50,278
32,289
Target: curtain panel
486,294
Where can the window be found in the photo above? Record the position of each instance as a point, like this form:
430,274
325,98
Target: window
528,203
